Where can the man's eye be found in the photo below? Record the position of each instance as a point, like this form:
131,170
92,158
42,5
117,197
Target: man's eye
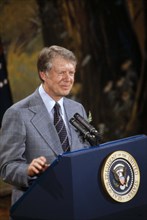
60,73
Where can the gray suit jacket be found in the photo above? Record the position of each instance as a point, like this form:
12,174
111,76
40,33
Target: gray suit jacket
27,133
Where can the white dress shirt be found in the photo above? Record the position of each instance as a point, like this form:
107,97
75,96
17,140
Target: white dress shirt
49,103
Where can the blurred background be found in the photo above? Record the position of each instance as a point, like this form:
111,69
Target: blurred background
109,40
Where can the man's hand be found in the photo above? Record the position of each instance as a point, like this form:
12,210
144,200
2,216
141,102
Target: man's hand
37,166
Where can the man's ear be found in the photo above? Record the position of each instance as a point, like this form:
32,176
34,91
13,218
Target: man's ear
42,75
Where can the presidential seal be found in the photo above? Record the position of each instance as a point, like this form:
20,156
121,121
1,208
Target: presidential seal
120,176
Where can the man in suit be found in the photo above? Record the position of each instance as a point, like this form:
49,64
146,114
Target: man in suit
29,140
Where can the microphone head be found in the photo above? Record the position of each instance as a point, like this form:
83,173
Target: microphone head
86,129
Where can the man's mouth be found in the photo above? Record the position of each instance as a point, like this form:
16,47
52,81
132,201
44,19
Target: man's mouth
65,86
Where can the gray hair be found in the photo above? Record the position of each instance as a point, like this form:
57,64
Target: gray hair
47,54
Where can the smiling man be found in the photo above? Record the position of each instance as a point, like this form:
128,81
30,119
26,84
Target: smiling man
36,129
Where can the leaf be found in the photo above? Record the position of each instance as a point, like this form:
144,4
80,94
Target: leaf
89,117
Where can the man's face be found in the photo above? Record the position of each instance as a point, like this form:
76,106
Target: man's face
59,80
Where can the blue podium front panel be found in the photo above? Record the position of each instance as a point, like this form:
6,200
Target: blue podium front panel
72,187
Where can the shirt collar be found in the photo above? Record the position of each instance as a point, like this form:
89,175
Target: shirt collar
61,105
48,101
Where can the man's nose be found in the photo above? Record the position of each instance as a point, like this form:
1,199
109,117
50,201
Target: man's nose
67,76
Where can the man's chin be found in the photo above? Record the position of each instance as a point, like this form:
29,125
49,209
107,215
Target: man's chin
65,93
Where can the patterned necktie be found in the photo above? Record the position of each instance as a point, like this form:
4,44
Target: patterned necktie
60,127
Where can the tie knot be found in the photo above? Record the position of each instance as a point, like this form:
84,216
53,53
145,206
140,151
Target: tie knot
56,107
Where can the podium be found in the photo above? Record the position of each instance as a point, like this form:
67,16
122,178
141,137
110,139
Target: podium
73,188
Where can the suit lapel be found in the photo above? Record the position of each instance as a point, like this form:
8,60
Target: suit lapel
42,122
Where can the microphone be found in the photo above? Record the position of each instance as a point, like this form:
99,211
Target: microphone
86,134
87,130
75,123
86,124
